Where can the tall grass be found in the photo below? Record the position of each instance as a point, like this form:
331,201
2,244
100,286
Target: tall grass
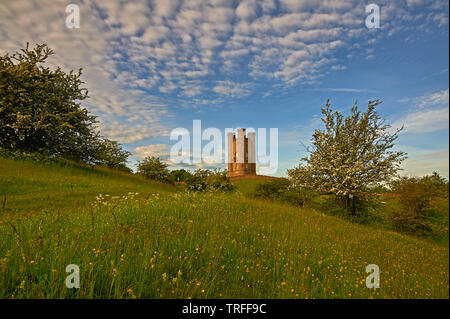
165,244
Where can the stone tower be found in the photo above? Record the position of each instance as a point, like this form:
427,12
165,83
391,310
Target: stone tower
241,157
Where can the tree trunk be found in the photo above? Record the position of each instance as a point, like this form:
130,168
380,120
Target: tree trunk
351,206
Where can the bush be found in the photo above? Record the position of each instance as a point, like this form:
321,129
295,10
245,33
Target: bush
416,197
272,189
208,180
196,183
180,175
152,168
407,221
219,182
281,189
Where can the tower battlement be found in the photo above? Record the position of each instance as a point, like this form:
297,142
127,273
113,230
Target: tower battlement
241,157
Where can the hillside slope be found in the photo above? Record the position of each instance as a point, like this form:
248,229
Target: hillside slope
164,243
30,186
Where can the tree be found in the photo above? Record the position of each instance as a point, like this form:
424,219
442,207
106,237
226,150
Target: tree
417,196
416,193
349,155
209,180
151,167
41,112
110,153
180,175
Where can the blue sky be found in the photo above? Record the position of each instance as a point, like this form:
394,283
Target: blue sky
152,66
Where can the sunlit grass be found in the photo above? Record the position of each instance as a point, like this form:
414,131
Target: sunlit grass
166,244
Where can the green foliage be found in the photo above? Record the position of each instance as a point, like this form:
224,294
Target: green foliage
272,189
29,185
417,196
208,180
281,189
218,181
166,244
350,155
40,112
179,175
151,167
110,154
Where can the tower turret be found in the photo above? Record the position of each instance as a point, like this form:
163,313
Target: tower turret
241,153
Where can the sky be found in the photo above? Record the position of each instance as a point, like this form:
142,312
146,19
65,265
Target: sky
153,66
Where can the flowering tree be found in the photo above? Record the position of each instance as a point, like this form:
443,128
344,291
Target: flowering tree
349,155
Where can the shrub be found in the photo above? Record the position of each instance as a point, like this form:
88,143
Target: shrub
196,183
208,180
219,182
180,175
408,221
416,197
152,168
272,189
281,189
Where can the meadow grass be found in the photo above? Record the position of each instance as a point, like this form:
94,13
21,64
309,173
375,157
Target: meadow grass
27,186
167,243
248,186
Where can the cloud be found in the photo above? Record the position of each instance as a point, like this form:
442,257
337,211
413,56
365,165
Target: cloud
428,100
247,9
432,113
438,98
157,150
343,90
127,112
142,57
232,89
425,162
424,121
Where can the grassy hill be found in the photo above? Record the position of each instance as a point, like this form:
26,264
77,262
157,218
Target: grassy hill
142,239
33,187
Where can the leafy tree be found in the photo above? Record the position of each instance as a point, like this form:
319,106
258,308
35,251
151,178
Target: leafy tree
415,195
349,155
151,167
208,180
218,181
40,111
110,153
180,175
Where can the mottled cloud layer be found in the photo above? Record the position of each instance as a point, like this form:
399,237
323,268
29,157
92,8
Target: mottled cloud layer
143,58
